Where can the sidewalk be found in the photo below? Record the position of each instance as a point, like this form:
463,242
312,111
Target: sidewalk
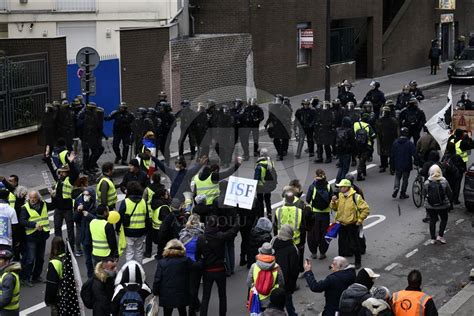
30,169
462,304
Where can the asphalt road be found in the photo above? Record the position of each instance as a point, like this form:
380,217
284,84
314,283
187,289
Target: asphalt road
396,236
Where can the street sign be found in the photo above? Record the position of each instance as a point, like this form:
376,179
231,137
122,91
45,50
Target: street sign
92,85
87,56
306,38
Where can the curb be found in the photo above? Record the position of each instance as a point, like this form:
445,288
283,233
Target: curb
421,86
453,306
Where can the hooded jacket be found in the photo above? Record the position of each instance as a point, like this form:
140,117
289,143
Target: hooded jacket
347,212
373,306
403,152
286,256
267,263
211,247
351,300
332,286
261,233
7,286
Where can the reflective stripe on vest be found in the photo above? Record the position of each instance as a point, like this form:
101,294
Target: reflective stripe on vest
256,270
155,217
111,193
41,219
290,215
100,246
11,200
463,154
62,157
58,266
207,187
328,209
138,219
67,188
15,302
263,171
409,303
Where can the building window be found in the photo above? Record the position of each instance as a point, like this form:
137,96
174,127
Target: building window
303,56
342,45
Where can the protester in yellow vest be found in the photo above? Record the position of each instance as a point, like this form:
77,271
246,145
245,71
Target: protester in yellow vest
54,276
34,218
104,242
159,209
412,301
9,284
106,192
265,264
148,195
290,214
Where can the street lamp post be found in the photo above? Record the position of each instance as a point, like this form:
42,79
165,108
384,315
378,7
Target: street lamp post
327,87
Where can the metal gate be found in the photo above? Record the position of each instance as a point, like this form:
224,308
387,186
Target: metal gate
24,90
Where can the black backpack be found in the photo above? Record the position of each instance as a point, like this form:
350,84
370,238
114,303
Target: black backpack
271,178
321,199
132,303
361,136
436,194
87,295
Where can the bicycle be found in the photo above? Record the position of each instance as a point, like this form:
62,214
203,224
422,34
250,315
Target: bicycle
417,189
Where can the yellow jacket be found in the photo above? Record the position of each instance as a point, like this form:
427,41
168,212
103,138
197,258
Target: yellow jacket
347,212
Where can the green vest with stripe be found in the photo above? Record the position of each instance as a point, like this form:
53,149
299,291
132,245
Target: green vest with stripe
100,246
290,215
41,218
138,219
111,192
58,265
256,270
67,188
313,197
463,154
15,302
155,217
11,200
207,187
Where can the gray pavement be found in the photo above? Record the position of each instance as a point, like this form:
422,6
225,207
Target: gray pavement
396,240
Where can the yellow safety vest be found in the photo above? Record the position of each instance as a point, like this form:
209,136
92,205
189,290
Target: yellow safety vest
62,157
263,171
67,188
15,302
58,266
41,219
11,200
146,163
290,215
149,196
256,270
155,217
328,209
364,125
208,188
111,193
100,246
138,219
463,154
409,303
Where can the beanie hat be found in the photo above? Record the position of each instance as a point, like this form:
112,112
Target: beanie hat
266,249
285,233
134,162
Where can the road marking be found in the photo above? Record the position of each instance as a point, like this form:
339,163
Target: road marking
390,267
459,221
32,309
411,253
380,219
426,243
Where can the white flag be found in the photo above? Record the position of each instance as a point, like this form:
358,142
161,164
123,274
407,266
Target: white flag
437,125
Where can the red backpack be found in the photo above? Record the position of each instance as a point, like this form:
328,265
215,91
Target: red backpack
264,283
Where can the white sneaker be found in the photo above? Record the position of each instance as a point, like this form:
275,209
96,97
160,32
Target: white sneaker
441,239
432,241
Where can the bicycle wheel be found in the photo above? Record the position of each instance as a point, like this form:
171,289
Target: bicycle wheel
417,192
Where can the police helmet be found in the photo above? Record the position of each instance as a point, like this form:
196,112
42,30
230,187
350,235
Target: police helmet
406,88
336,101
326,105
368,106
123,105
253,101
141,110
6,254
166,107
404,131
151,111
65,103
211,103
305,102
91,105
346,83
375,84
200,106
185,103
163,95
389,103
238,102
350,105
413,84
286,100
413,101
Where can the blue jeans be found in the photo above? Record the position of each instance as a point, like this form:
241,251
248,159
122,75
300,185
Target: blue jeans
32,264
344,165
230,256
88,258
290,308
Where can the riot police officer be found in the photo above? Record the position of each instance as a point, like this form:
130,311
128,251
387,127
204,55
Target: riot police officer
92,121
403,98
278,126
325,130
345,94
225,135
162,98
139,128
167,122
353,112
65,123
415,91
76,107
199,128
122,131
315,102
367,108
376,97
304,127
465,103
48,126
186,115
237,111
413,118
252,117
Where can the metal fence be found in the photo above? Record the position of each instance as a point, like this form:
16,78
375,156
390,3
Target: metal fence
76,5
24,90
342,45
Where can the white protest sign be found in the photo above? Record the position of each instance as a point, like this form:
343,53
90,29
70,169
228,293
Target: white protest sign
240,191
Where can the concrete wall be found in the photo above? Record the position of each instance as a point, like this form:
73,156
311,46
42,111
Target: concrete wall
19,146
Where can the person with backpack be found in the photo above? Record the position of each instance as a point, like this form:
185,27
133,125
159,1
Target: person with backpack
403,152
189,236
454,168
345,147
97,292
387,133
172,279
260,234
267,177
437,203
319,197
265,275
413,118
352,298
9,284
342,276
211,252
286,256
351,211
364,138
54,275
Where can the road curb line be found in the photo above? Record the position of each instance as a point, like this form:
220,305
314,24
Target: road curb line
458,301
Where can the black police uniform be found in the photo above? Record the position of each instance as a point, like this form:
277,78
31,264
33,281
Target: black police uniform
304,122
122,133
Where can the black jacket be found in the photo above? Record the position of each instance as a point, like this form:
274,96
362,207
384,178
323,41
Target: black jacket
413,118
286,255
172,281
253,115
103,290
351,300
305,118
256,240
140,177
211,246
377,98
122,122
332,286
53,283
